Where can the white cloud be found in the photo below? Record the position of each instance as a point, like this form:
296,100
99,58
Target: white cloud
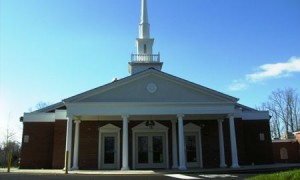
237,85
277,70
268,71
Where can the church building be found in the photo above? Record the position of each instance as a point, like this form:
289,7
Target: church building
148,120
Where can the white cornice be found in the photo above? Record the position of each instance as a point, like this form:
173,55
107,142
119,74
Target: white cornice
168,108
45,117
39,117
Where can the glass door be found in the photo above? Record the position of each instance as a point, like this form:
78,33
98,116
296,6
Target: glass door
109,151
192,149
150,150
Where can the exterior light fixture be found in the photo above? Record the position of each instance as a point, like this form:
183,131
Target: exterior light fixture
150,124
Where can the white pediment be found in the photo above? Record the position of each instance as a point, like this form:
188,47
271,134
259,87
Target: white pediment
191,127
154,87
109,127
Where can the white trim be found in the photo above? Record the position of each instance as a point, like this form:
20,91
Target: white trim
45,117
60,114
39,117
146,108
111,129
142,128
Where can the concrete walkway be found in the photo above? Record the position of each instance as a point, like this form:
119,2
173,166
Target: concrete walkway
242,169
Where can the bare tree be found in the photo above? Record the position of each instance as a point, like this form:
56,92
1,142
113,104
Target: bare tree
39,105
283,106
9,146
275,125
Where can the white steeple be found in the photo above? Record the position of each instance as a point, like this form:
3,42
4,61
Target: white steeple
144,24
144,59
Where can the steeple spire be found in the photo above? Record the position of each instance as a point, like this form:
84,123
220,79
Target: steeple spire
144,14
144,59
144,24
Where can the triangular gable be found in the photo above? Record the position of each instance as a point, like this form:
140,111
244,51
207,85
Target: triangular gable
152,86
109,127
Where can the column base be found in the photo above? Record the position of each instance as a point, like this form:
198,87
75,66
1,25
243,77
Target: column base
182,168
174,167
235,166
74,168
125,169
223,165
70,169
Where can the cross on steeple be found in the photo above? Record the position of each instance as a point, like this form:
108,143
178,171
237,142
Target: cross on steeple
144,59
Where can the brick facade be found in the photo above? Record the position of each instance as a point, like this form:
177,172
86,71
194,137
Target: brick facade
37,152
292,154
46,146
59,144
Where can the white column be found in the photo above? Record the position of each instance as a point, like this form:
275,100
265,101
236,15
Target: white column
234,157
182,163
69,139
221,144
76,145
125,144
174,145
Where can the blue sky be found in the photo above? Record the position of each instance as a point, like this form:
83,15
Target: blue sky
51,50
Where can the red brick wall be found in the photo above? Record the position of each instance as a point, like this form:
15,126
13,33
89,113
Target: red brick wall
292,149
59,144
46,138
210,145
88,145
37,153
257,151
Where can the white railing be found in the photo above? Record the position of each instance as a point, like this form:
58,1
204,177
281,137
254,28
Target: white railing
145,57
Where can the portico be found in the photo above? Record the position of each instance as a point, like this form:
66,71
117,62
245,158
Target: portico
170,129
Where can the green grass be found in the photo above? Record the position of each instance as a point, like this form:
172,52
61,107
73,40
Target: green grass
289,175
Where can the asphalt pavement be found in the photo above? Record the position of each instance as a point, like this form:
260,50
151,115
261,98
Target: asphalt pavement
6,176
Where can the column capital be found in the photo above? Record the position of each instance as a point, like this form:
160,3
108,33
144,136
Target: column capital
230,115
180,115
77,121
220,120
125,116
70,116
174,120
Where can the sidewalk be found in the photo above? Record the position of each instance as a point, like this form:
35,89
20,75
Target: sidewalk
241,170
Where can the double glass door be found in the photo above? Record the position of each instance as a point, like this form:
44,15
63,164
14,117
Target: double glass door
150,150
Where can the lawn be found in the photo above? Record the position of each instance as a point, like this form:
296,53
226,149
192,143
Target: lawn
291,175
